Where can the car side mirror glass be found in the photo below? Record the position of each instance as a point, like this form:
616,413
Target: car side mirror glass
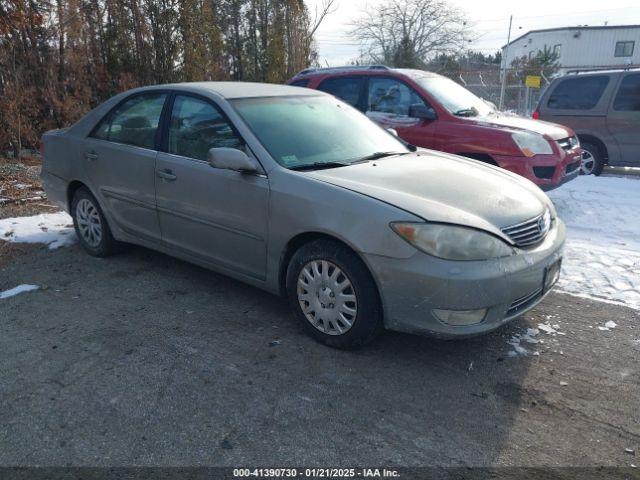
422,112
231,159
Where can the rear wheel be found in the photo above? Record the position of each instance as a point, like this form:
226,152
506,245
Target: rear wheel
91,225
592,159
333,295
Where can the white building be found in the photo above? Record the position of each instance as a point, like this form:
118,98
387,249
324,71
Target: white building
581,47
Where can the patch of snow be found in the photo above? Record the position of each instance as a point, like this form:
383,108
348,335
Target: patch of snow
602,254
18,290
52,229
546,328
610,325
529,337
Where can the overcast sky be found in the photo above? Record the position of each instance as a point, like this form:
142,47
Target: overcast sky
490,19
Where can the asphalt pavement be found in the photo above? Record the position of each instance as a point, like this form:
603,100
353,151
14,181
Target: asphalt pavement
141,359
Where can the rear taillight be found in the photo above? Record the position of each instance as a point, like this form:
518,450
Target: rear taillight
536,115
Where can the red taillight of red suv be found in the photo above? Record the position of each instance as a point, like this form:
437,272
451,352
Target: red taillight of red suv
536,115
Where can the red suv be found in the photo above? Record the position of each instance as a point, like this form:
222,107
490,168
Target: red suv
430,111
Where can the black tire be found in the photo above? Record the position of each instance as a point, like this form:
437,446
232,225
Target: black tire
367,322
596,155
106,245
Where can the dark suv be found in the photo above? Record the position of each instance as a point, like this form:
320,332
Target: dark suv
431,111
603,107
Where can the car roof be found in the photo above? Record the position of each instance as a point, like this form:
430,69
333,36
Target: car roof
599,71
230,90
366,70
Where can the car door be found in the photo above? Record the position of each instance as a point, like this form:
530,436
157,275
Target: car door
120,156
623,119
388,103
219,216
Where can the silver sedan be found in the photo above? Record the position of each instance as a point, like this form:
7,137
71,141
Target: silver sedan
295,192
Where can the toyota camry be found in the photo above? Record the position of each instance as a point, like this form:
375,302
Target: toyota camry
295,192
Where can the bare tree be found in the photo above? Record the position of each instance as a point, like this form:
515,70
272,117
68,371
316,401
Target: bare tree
407,33
327,8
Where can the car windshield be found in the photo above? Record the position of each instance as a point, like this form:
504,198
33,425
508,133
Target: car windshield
455,98
308,132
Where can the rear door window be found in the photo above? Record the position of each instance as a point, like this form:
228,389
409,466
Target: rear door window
579,93
347,89
628,96
134,122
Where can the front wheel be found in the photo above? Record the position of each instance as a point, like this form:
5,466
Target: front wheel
592,160
333,295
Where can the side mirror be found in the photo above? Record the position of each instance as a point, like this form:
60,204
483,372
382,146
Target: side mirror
392,131
231,159
423,112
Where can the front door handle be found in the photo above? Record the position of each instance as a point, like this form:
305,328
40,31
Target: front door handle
166,174
91,156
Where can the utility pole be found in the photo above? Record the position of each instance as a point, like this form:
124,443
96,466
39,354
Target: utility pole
504,68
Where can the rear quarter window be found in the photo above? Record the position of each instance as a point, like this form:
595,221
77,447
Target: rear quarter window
346,89
300,83
579,93
628,97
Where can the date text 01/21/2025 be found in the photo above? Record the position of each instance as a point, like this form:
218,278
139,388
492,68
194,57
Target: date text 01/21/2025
315,473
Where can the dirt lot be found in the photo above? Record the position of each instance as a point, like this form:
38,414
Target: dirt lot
141,359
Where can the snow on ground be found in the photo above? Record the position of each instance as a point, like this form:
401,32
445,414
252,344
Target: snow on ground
52,229
17,290
602,256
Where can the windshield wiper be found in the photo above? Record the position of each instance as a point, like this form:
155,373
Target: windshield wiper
378,155
467,112
319,166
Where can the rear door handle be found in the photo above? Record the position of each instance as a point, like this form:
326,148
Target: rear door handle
166,174
91,156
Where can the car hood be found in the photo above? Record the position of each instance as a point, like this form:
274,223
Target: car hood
552,130
444,188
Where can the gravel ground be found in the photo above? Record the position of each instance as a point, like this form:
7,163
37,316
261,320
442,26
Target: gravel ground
141,359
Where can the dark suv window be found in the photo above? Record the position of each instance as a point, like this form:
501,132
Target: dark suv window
628,97
300,83
345,88
579,93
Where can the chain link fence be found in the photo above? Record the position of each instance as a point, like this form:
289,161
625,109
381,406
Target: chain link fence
518,98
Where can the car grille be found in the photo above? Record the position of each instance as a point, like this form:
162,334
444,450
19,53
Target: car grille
523,302
529,232
568,143
544,172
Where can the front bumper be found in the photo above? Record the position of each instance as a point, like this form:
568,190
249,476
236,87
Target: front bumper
546,171
412,288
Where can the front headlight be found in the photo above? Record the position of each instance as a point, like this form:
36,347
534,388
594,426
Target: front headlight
452,242
532,144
